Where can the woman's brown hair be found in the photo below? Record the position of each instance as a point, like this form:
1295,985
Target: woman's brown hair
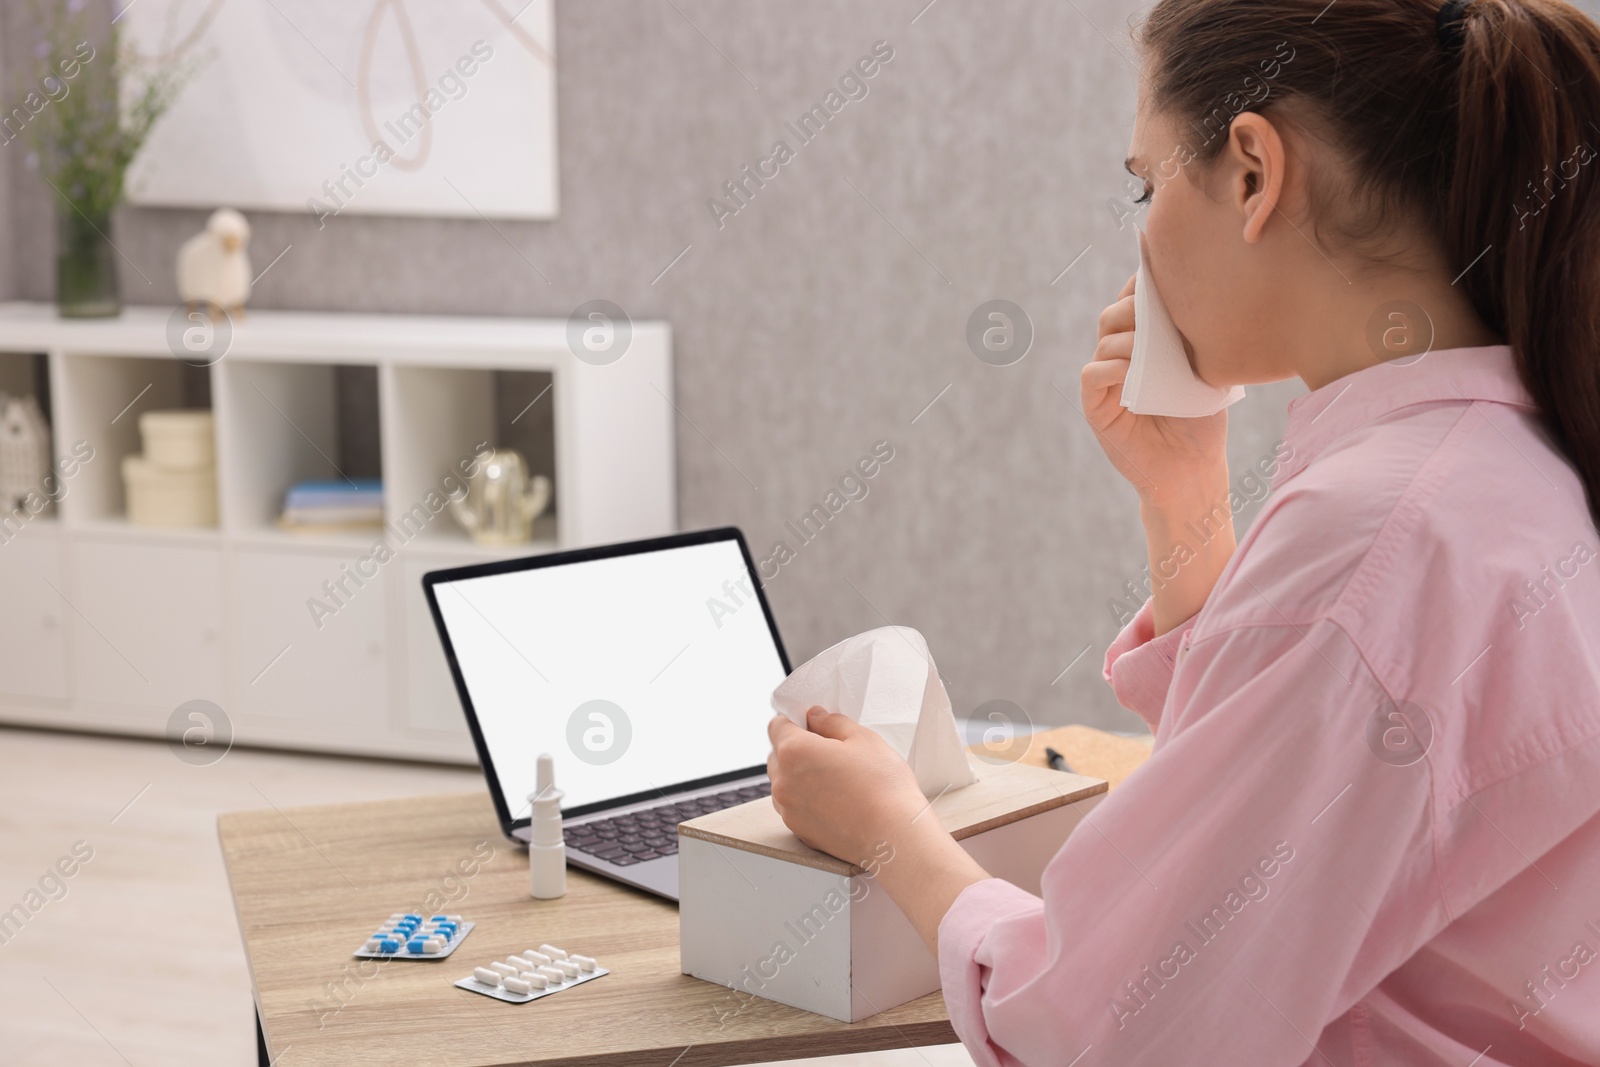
1483,119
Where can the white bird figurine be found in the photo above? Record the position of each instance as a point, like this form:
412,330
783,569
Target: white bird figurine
213,267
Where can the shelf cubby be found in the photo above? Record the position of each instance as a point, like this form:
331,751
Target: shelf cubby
98,401
288,422
439,417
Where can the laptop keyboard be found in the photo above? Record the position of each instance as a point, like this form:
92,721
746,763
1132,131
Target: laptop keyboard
644,835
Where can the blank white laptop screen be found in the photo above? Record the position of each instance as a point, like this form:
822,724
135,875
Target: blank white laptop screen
634,672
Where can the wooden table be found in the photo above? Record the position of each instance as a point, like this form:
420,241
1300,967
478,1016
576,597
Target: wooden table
1086,750
310,884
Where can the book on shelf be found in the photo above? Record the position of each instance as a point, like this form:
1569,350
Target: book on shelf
354,492
320,506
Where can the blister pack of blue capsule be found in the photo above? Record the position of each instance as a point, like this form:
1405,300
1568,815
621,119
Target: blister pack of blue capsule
409,936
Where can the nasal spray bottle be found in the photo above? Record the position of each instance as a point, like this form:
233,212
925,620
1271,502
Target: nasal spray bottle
547,852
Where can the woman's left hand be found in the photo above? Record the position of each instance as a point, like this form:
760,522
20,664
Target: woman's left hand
839,786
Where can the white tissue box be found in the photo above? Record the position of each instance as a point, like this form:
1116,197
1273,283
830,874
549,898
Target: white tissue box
764,915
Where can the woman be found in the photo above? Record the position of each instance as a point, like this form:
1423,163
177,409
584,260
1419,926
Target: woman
1368,832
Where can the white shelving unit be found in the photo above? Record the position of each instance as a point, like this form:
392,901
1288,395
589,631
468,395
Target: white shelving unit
109,626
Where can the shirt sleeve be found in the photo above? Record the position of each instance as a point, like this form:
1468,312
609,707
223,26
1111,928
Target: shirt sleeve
1139,664
1265,869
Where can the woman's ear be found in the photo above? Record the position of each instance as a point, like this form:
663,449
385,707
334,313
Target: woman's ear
1256,154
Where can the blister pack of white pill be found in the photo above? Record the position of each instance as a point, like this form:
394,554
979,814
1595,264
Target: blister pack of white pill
409,936
532,974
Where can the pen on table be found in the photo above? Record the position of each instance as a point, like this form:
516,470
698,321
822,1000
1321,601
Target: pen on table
1056,760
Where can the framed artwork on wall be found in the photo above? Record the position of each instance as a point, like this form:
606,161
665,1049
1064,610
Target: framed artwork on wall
384,107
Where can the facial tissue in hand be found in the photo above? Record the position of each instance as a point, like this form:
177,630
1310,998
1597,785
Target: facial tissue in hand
885,680
1160,380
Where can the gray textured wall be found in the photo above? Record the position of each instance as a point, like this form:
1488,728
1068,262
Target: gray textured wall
826,314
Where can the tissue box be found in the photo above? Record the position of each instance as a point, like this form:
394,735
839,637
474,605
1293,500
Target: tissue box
767,916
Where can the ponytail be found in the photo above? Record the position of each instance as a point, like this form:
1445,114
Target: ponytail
1483,115
1526,181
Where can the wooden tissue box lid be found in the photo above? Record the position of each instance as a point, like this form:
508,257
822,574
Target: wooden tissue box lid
1003,793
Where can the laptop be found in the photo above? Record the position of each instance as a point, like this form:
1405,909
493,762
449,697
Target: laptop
645,669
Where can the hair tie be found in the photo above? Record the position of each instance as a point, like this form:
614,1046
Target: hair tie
1450,23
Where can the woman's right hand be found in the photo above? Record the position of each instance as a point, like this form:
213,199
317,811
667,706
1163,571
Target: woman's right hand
1178,466
1169,461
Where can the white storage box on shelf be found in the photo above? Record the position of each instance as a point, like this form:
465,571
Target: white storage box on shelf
763,914
173,482
169,496
179,439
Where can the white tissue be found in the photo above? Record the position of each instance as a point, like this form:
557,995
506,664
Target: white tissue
885,680
1160,380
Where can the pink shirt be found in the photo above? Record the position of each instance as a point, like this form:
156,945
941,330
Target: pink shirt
1370,817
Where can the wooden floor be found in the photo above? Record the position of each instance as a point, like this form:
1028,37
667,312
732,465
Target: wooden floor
136,958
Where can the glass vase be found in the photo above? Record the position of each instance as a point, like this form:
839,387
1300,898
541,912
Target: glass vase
86,265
